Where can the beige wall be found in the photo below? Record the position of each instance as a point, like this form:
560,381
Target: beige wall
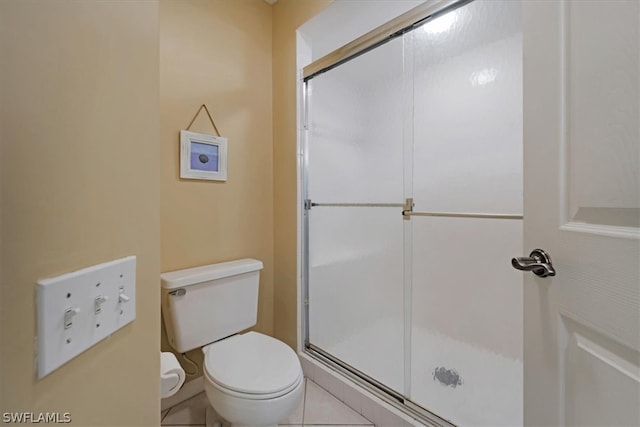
79,186
79,166
218,52
288,15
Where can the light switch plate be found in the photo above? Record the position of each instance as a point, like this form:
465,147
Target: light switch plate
62,337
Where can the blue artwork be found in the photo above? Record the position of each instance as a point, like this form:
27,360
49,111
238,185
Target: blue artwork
204,157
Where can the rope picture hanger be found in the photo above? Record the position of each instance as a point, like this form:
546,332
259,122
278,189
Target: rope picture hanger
210,119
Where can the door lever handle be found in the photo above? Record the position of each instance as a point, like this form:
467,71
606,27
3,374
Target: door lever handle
538,261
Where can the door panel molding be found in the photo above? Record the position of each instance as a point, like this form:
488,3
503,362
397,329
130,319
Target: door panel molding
593,219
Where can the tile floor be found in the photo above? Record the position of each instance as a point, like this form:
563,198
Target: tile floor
318,408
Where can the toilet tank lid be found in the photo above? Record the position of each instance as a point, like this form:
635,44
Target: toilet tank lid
192,276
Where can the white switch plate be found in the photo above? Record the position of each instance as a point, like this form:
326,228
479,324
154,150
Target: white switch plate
79,290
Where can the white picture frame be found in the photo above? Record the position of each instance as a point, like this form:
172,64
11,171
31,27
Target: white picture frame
203,156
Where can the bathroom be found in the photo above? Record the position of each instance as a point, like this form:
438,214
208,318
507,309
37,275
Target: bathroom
94,95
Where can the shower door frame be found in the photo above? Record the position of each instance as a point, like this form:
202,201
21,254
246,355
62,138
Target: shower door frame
395,28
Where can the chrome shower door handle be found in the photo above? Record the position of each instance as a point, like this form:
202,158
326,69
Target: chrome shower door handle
538,261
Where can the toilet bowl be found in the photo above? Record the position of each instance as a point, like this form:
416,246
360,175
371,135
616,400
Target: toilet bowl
252,379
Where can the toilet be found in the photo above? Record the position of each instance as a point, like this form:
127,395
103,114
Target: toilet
250,379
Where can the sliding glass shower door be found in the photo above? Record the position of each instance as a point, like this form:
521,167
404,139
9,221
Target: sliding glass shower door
466,342
355,192
413,174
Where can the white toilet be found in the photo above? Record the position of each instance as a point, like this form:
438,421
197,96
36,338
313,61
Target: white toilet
250,379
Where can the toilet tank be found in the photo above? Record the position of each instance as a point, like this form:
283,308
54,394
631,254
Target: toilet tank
204,304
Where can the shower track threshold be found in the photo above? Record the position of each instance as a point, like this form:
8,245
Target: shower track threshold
389,396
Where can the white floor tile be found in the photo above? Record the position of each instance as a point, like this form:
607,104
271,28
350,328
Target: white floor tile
371,409
322,378
321,408
389,419
336,387
353,399
318,408
296,418
307,367
190,412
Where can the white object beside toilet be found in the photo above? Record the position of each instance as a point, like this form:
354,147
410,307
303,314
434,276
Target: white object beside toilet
250,379
171,375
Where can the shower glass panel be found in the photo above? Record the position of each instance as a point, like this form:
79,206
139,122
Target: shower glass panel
467,320
466,342
468,110
355,129
354,152
356,305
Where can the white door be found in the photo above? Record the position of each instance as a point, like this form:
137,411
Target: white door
581,195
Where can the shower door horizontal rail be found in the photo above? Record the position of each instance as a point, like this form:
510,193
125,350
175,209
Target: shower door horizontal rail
420,14
408,211
461,215
309,204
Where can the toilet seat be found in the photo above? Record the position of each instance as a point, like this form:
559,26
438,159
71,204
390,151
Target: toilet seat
252,366
253,396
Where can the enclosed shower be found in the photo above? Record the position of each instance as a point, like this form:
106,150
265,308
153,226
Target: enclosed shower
412,177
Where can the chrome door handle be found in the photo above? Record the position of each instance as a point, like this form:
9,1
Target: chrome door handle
538,261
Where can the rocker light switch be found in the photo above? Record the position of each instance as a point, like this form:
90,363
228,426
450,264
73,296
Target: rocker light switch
79,309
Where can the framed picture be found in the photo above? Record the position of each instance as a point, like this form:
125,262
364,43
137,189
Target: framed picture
203,156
